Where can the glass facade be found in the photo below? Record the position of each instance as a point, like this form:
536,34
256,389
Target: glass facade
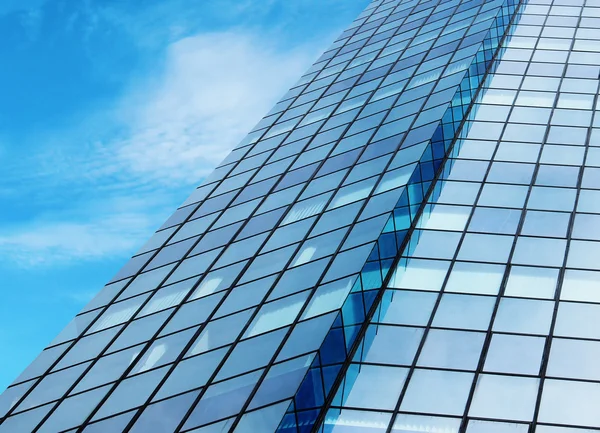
407,242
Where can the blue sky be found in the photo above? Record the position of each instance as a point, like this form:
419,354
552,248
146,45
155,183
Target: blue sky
111,112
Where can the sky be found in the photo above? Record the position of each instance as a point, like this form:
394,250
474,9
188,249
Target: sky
110,114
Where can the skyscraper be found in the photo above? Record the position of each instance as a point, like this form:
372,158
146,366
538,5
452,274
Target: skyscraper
407,242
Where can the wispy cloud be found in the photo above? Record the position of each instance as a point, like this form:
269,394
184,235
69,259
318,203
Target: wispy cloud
168,130
214,88
44,243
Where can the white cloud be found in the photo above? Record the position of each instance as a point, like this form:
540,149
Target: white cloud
176,124
46,243
213,90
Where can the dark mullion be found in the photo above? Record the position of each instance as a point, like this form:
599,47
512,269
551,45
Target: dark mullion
485,348
377,300
305,305
429,325
561,275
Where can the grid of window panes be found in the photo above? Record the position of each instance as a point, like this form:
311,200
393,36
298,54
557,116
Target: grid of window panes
182,335
492,319
340,341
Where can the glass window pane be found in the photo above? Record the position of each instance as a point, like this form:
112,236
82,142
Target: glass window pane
539,251
329,297
191,373
476,278
485,248
375,387
581,286
108,368
281,381
515,354
408,308
307,336
53,386
578,320
163,417
222,400
265,419
437,391
11,396
495,220
574,359
548,224
464,312
139,331
192,313
530,282
524,316
73,411
392,344
220,332
277,314
163,351
570,402
452,349
420,274
131,392
251,354
504,397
